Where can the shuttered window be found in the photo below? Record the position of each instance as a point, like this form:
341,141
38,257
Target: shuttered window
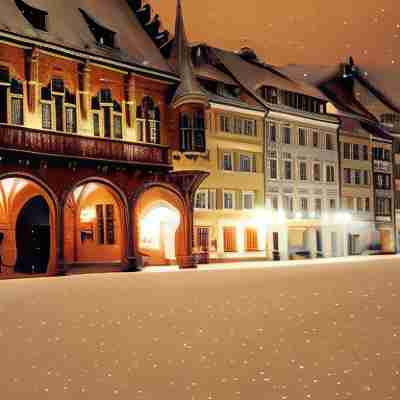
251,239
229,239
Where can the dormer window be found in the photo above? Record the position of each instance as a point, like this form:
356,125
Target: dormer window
271,94
104,37
37,18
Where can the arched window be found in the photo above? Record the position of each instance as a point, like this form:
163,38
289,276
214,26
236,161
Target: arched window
58,107
11,99
148,118
107,116
192,129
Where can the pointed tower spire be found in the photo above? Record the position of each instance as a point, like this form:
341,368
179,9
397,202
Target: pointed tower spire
189,90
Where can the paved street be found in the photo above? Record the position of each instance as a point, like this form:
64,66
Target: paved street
320,330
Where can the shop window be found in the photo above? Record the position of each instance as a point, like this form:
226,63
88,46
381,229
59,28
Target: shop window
37,18
203,238
251,239
229,234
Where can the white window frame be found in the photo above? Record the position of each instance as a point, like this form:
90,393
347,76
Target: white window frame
205,193
250,194
231,192
230,154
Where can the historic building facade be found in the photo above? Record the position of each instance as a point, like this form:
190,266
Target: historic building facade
86,133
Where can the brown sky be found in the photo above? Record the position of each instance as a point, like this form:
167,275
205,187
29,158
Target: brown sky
292,31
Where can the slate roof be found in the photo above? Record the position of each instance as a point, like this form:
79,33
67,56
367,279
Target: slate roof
68,28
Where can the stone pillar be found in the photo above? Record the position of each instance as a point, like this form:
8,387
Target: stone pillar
283,242
312,242
84,87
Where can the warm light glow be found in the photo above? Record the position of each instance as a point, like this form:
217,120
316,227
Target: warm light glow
88,214
157,226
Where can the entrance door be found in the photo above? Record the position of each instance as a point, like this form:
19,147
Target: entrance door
33,237
354,245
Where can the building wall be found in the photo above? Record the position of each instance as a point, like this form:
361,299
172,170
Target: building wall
215,217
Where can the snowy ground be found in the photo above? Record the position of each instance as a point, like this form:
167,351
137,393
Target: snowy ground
324,330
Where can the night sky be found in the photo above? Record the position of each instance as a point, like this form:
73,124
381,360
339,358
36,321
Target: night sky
297,32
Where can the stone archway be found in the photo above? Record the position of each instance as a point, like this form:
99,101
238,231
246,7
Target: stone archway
94,225
161,231
28,220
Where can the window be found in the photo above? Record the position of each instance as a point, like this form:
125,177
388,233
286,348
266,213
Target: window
365,152
37,18
105,224
387,155
366,177
356,152
346,151
275,241
272,132
229,200
273,170
199,144
332,204
329,142
237,125
70,119
317,172
96,124
229,239
225,123
383,207
302,137
103,36
357,177
248,200
227,162
17,111
245,163
288,169
201,201
367,205
303,170
359,202
288,204
250,127
287,135
148,118
347,176
251,239
315,138
46,116
318,206
271,94
330,173
203,238
304,204
117,126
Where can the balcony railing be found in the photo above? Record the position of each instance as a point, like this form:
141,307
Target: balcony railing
74,146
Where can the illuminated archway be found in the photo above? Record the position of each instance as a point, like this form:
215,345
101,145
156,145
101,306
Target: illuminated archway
28,205
94,225
158,227
161,230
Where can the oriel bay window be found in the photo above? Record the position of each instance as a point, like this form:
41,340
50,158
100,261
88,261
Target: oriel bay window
58,107
192,131
148,122
107,116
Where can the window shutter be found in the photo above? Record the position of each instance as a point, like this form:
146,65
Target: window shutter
211,199
219,199
254,169
238,200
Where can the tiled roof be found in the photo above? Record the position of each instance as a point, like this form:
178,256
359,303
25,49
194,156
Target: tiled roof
68,28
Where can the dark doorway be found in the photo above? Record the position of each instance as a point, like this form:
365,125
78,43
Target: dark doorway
33,237
3,104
